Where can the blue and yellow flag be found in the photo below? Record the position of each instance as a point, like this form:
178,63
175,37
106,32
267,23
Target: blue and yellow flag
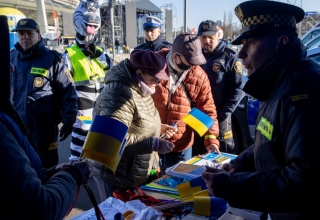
187,189
85,119
198,120
105,141
207,205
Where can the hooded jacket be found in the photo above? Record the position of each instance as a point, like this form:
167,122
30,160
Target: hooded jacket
122,99
279,172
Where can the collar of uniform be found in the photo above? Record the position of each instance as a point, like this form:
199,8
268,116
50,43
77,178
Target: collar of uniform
32,50
156,43
219,49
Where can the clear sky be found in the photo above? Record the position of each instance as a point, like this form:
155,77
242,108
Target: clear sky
200,10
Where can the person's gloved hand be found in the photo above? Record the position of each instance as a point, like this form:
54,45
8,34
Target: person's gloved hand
162,146
216,181
85,170
231,168
65,131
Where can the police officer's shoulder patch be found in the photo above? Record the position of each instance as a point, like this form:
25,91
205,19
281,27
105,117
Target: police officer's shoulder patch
238,67
68,73
216,66
38,81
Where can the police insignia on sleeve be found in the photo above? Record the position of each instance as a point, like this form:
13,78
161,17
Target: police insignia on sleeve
238,67
68,73
38,82
216,66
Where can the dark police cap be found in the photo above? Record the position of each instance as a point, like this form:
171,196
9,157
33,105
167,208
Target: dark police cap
27,24
265,15
208,28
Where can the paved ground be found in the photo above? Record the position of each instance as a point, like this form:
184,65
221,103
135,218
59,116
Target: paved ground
83,202
120,57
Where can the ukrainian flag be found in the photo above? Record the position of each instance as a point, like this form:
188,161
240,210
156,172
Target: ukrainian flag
105,141
85,119
85,122
198,120
187,189
207,205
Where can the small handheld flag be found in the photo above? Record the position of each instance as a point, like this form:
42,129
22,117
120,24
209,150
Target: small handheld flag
198,120
105,141
187,189
207,205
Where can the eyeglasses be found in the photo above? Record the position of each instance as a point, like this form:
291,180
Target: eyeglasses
154,79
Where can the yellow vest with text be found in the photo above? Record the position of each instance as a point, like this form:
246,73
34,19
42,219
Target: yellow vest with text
85,71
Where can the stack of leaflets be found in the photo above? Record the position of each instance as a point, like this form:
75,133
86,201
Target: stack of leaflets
166,184
194,167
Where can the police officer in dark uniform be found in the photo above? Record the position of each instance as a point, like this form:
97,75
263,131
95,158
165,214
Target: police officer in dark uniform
44,94
278,174
151,30
224,71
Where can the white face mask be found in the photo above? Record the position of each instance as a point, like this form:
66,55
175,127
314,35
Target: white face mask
146,90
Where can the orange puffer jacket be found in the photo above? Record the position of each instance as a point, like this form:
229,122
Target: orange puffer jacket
197,83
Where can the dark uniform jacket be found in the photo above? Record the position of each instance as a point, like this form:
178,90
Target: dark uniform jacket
286,150
156,45
224,71
43,84
22,186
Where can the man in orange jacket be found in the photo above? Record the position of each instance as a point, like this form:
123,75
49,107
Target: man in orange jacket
188,87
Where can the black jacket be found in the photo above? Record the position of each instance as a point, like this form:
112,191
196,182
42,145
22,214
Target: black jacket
23,187
224,71
43,92
280,171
